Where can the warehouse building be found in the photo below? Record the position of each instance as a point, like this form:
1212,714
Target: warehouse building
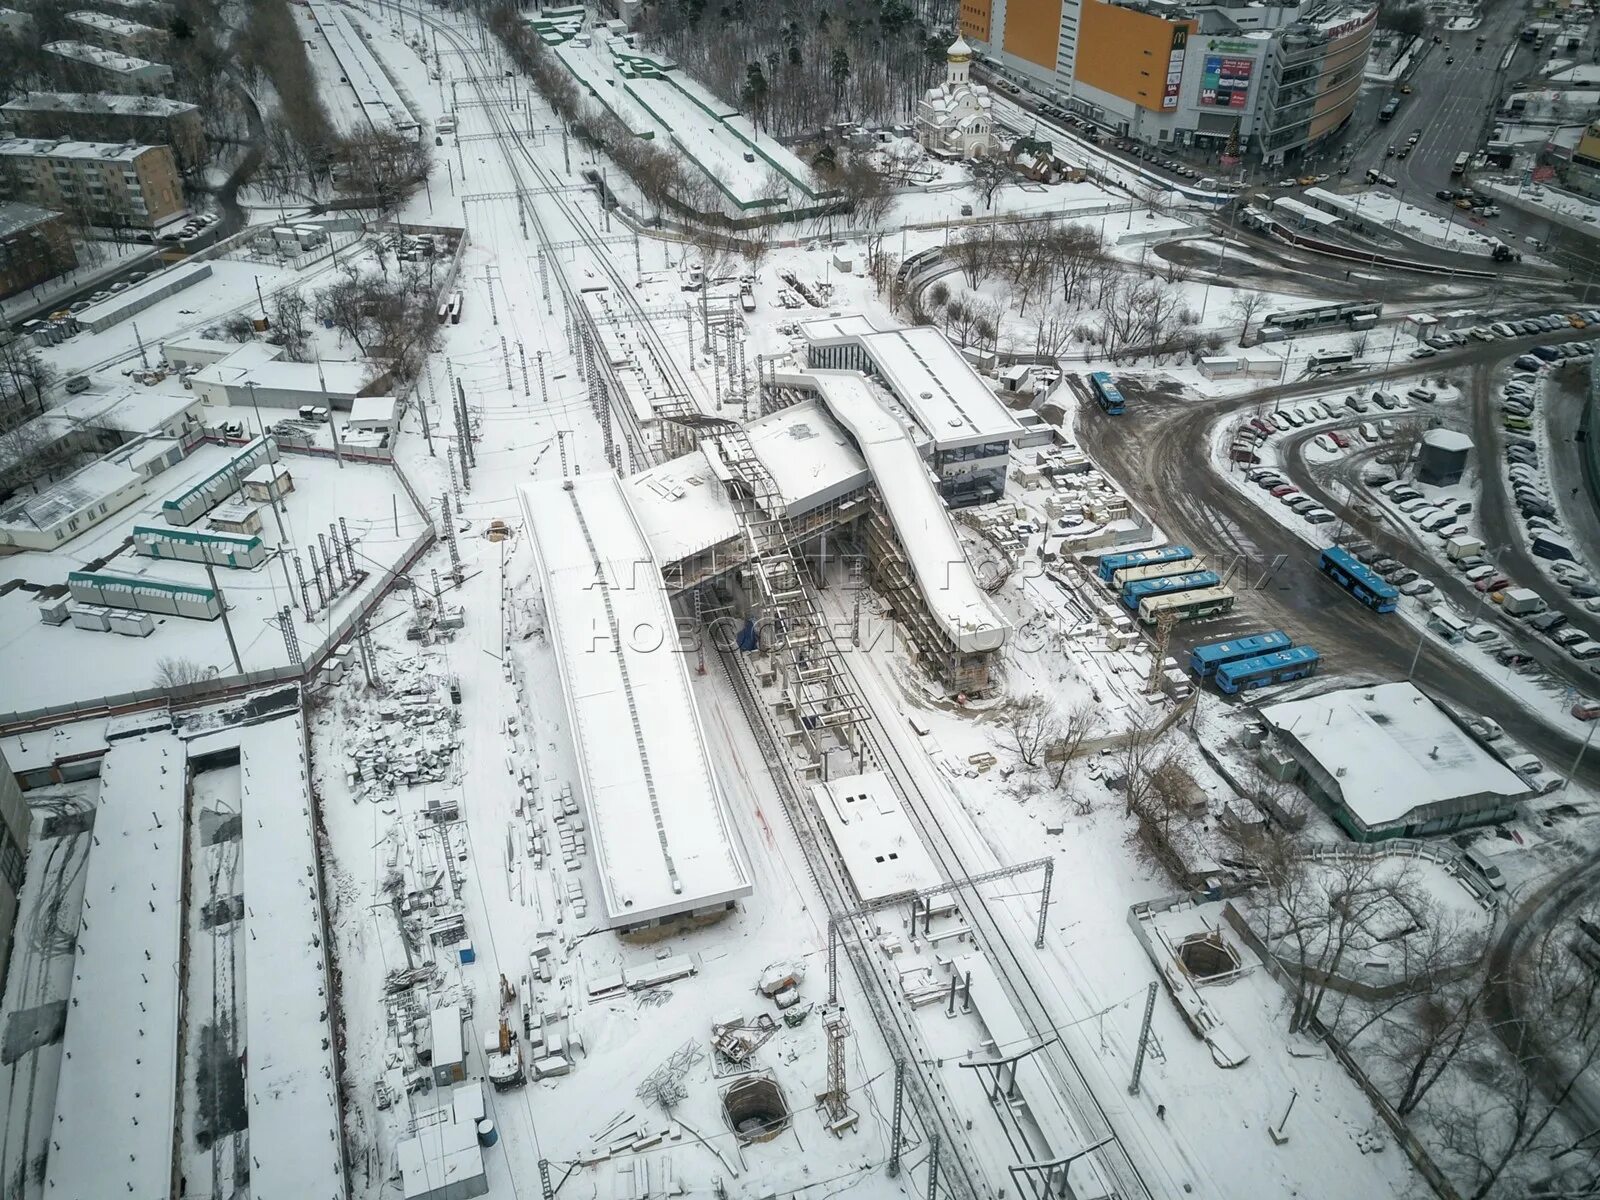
1386,761
35,246
47,519
255,374
111,116
115,72
1270,80
108,183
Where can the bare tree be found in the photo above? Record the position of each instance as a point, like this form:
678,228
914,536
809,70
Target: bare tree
1032,727
1073,728
989,175
174,672
1245,306
289,312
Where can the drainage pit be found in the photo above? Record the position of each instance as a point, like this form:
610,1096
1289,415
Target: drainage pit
755,1109
1207,956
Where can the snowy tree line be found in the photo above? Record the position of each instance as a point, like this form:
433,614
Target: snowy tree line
801,66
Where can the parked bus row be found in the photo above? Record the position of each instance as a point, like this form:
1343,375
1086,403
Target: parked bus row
1257,661
1166,580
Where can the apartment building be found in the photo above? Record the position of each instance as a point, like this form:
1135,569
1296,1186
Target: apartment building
118,34
113,71
35,245
120,185
1273,77
108,116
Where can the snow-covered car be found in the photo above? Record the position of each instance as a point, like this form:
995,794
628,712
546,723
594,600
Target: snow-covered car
1417,587
1325,444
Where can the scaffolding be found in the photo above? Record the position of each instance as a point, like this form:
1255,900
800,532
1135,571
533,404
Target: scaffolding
815,683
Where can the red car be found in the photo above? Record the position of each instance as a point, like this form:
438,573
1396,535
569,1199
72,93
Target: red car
1262,427
1492,583
1339,439
1284,489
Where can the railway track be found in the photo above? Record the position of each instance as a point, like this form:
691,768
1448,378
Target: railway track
832,882
1114,1170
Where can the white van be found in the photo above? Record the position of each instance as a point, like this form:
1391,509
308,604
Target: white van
1485,866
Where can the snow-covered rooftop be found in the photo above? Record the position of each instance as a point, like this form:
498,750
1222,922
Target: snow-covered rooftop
963,610
294,1107
947,399
107,60
882,851
106,23
35,511
683,508
662,835
119,1066
98,102
14,217
1391,750
57,148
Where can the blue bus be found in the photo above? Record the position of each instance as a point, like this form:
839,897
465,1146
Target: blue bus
1112,563
1146,588
1106,393
1266,669
1365,584
1204,660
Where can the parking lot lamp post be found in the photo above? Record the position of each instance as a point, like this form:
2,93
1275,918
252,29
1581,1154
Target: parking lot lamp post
1578,758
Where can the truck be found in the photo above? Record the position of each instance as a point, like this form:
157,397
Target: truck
1463,546
1522,602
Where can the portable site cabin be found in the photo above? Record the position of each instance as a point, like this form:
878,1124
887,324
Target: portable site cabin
268,482
191,545
448,1056
237,520
145,595
190,505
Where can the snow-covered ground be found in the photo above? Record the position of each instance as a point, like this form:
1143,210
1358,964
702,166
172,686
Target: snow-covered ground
59,664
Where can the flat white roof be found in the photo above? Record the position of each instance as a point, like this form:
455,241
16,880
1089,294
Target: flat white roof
963,610
880,848
261,363
110,24
120,1047
683,508
107,59
1391,749
62,148
39,511
443,1152
99,102
444,1031
294,1108
662,836
947,399
373,408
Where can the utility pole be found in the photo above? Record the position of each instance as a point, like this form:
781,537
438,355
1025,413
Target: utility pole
227,627
1144,1039
899,1111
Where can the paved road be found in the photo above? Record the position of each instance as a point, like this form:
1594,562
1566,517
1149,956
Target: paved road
1501,522
1527,927
1328,487
1159,453
1565,393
